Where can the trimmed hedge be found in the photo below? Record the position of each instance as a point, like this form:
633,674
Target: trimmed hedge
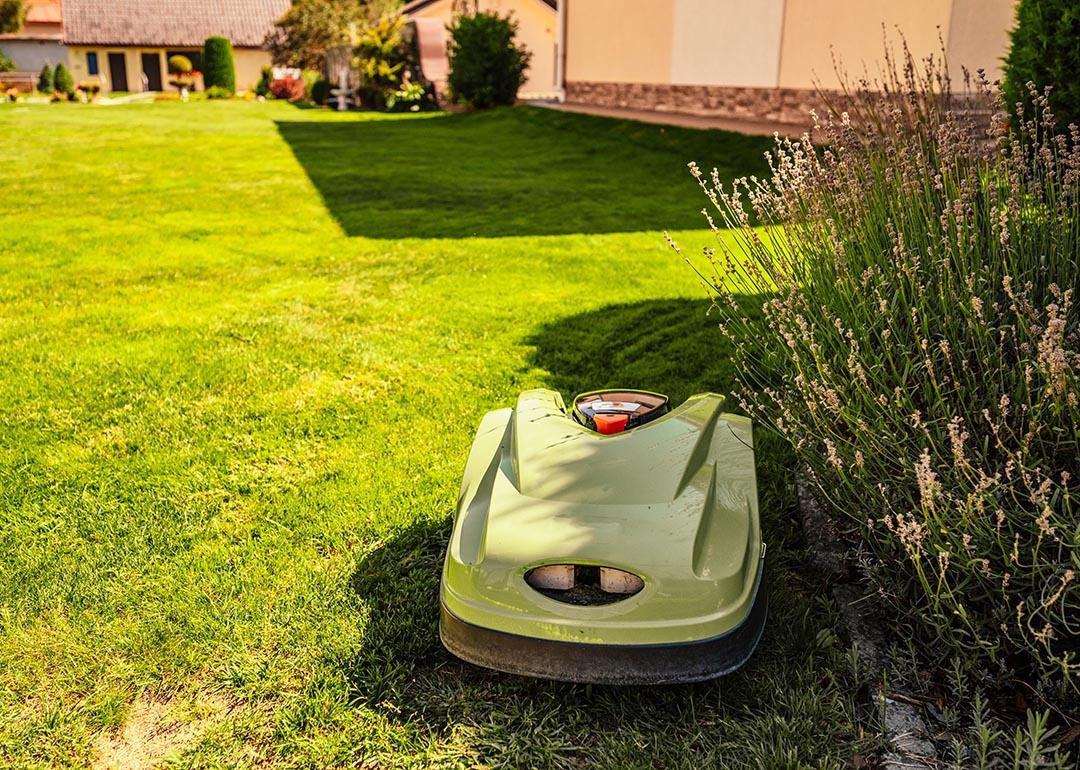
219,69
45,81
62,80
179,64
320,92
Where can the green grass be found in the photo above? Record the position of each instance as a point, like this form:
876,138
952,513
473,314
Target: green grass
233,433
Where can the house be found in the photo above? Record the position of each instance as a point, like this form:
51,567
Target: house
537,26
757,60
127,43
39,41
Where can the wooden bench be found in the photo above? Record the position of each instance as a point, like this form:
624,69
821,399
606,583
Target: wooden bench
21,80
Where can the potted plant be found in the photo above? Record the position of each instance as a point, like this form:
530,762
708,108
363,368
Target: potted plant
181,75
88,90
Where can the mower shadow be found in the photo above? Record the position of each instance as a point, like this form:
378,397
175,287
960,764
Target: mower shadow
401,670
670,346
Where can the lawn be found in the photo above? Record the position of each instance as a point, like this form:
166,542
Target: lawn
244,348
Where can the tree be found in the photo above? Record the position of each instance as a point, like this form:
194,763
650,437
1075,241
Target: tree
486,66
1045,52
219,69
45,81
310,28
62,80
12,15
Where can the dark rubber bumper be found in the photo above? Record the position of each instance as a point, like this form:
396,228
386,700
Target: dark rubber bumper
606,663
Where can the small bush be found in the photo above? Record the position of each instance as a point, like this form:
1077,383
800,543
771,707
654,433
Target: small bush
411,97
310,78
266,77
219,69
486,67
217,92
45,81
288,88
320,91
6,64
179,64
921,351
380,57
62,80
1045,52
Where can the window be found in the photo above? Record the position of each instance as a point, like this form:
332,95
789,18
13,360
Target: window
91,63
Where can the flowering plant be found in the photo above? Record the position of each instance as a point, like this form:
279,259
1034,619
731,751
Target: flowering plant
920,348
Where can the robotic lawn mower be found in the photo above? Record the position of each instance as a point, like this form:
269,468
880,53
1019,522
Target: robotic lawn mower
617,543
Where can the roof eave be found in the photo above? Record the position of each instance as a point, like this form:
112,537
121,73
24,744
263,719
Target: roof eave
417,5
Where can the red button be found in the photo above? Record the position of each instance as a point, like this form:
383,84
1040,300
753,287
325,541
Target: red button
611,423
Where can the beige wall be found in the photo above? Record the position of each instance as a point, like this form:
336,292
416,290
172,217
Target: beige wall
619,41
726,42
813,29
979,35
249,64
536,30
770,43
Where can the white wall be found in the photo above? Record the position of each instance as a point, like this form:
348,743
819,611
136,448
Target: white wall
32,55
727,42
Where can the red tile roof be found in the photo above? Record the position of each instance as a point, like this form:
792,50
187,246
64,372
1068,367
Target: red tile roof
169,22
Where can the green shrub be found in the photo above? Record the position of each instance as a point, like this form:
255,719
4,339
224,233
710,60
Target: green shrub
179,64
486,67
62,80
266,77
320,91
921,351
45,81
1045,52
310,78
6,64
411,97
217,92
218,66
380,57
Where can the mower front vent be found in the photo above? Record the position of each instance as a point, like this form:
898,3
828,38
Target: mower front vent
584,584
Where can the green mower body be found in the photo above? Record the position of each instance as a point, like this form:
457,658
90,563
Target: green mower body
628,557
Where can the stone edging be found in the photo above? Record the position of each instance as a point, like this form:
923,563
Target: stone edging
905,728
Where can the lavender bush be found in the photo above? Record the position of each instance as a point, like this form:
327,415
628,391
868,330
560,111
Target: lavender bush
920,350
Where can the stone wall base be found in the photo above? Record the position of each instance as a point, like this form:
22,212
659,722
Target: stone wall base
780,105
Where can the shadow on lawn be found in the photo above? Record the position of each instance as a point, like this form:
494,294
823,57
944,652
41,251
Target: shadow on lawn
507,172
788,706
